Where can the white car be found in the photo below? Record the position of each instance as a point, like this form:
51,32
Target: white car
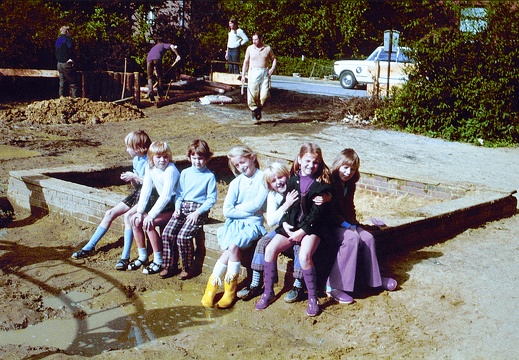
354,72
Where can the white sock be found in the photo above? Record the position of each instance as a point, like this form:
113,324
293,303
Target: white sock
157,257
143,254
219,269
233,269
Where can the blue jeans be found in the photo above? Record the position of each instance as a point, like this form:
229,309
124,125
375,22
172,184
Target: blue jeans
233,55
67,79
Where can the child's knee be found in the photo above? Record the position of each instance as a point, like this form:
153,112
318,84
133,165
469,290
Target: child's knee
305,259
110,214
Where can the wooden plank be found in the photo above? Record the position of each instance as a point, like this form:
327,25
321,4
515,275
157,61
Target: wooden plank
226,78
29,72
220,85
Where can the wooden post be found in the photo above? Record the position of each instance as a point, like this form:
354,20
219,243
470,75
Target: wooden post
83,87
129,85
124,79
312,73
117,80
376,82
105,86
136,89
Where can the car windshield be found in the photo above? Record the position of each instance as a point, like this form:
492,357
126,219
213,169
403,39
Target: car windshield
374,54
380,55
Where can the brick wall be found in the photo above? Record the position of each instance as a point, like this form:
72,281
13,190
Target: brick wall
39,190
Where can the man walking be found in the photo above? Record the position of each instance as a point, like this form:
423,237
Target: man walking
257,59
65,57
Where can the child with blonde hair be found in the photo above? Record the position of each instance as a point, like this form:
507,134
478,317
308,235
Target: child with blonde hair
162,174
137,144
275,177
243,208
303,223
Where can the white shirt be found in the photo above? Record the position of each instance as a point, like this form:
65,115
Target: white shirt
236,38
165,181
274,212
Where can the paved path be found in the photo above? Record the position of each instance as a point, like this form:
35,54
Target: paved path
317,86
408,156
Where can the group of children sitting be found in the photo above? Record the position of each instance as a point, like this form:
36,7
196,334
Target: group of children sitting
309,207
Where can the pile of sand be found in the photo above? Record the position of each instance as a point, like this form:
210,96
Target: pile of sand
67,110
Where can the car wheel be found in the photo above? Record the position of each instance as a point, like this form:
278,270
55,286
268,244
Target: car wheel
348,80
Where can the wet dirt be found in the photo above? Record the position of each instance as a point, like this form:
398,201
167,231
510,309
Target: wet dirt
455,299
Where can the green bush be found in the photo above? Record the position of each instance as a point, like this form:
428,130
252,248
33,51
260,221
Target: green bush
465,87
306,68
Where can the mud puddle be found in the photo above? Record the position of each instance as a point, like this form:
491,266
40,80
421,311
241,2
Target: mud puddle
8,152
89,331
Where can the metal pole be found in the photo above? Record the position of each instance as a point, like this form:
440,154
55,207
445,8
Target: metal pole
389,60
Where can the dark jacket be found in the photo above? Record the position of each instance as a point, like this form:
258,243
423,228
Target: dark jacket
342,204
316,217
64,48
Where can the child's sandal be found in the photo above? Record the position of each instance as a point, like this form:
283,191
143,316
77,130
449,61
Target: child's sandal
122,264
136,264
152,268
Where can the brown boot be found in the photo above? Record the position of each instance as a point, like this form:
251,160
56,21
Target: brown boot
210,292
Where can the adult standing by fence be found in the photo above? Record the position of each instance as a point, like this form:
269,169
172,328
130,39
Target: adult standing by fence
154,62
66,68
257,59
236,38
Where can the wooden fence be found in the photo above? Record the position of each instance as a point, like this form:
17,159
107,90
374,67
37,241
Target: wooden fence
94,85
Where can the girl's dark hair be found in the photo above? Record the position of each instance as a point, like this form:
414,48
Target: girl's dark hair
199,147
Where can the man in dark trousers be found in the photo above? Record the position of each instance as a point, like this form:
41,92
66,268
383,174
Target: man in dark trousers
65,57
154,62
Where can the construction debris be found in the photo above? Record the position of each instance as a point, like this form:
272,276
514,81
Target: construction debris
66,110
189,87
215,99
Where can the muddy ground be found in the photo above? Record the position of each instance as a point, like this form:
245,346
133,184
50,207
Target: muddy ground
455,299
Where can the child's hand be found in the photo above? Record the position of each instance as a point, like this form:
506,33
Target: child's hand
287,227
291,198
192,218
176,213
322,199
127,176
148,223
296,236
